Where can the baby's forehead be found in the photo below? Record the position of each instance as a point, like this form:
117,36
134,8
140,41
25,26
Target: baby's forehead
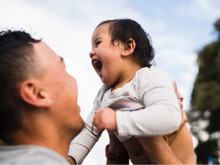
103,28
101,31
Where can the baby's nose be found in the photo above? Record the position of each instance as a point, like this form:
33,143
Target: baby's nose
91,53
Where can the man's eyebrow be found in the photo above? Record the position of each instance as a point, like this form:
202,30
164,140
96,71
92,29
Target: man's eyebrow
61,59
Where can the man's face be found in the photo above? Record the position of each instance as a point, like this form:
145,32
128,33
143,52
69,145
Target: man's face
61,89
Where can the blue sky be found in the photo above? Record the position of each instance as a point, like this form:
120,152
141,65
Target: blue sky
178,28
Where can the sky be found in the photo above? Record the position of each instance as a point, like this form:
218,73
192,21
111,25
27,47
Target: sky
179,29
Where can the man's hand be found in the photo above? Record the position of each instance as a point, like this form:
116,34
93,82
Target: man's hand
105,119
184,117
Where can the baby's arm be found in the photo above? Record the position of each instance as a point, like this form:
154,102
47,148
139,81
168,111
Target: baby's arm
161,115
106,119
84,141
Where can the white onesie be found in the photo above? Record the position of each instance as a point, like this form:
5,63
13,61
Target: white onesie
152,92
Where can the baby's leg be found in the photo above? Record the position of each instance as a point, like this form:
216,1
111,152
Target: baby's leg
177,148
136,151
182,146
158,150
116,151
131,147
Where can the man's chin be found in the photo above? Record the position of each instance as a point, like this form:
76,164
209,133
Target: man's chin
81,125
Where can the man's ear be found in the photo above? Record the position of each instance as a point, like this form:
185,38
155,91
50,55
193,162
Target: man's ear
31,93
129,47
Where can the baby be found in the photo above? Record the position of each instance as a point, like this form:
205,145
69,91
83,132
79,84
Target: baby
137,100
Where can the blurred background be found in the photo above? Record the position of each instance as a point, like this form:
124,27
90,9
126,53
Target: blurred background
185,35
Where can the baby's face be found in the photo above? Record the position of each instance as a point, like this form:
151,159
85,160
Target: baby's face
106,57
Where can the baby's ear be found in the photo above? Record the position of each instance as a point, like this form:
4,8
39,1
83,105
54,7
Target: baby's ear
129,47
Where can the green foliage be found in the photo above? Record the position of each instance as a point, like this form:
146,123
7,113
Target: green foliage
1,142
205,113
207,96
202,151
214,123
217,25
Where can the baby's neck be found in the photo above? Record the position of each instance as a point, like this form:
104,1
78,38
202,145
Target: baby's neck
127,77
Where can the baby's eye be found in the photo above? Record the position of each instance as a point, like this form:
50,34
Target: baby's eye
97,43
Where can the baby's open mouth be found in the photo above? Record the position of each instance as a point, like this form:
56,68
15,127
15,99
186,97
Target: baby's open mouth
97,65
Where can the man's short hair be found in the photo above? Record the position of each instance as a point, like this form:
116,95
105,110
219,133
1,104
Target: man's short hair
17,62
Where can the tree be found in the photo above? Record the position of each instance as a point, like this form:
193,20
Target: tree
205,101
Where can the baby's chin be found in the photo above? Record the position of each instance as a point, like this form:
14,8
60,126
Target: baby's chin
106,82
110,85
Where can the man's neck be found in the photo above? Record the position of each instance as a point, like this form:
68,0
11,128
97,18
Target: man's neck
53,141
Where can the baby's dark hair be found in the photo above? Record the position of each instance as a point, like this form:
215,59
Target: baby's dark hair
123,29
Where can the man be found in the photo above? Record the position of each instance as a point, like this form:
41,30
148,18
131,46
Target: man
39,115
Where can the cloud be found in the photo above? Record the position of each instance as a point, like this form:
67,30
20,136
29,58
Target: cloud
200,9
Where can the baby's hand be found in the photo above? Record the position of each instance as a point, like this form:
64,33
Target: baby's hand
105,119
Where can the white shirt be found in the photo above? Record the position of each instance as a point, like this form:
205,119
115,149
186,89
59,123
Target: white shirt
30,154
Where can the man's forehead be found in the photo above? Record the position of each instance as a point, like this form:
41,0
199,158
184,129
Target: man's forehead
42,48
45,54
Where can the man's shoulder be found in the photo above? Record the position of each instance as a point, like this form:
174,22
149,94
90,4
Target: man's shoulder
27,154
